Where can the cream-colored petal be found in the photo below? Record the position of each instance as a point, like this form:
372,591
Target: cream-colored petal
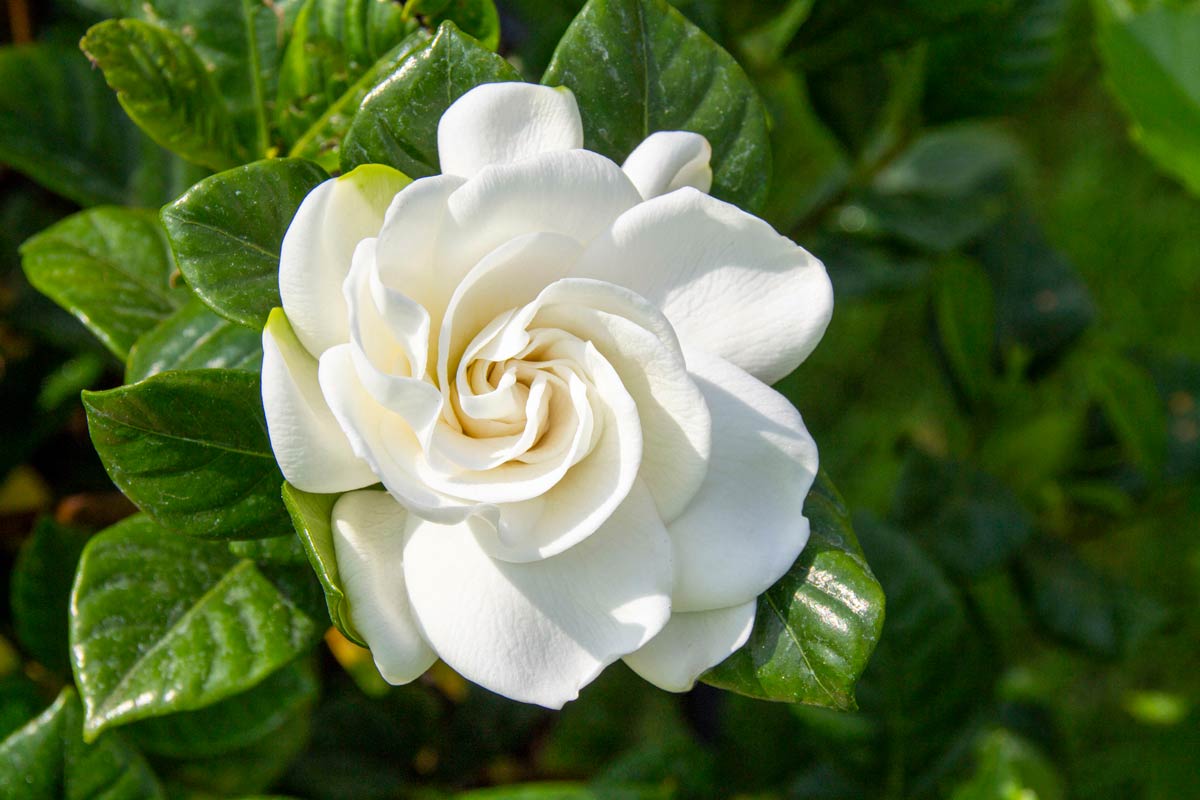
691,643
669,160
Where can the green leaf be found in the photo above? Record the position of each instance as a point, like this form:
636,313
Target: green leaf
476,18
312,515
1131,403
332,45
638,66
194,338
1152,62
233,723
165,88
964,312
48,760
817,626
397,123
61,126
191,450
164,624
322,141
41,591
111,268
282,550
564,791
227,230
1010,767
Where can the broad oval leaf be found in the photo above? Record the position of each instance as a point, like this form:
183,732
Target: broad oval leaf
194,338
817,626
397,123
227,230
49,760
166,89
639,66
111,268
191,450
163,624
312,515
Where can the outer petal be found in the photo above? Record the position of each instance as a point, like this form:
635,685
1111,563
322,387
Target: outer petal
498,123
669,160
538,632
369,530
319,244
691,643
746,525
309,445
725,279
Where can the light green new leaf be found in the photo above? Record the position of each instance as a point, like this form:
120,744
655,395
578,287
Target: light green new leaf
312,515
165,88
49,760
163,624
638,66
817,626
1152,64
194,338
1010,767
397,123
191,450
61,126
227,230
111,268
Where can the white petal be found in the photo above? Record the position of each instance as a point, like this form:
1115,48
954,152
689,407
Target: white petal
669,160
369,531
498,123
538,632
725,279
313,452
746,525
319,243
691,643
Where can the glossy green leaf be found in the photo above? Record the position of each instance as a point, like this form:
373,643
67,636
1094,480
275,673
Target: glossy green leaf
61,126
111,268
1152,62
283,550
817,626
226,232
639,66
965,316
233,723
332,45
194,338
165,88
397,123
164,624
312,515
322,141
41,591
49,760
191,450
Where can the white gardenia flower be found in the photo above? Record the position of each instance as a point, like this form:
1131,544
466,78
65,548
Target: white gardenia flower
557,369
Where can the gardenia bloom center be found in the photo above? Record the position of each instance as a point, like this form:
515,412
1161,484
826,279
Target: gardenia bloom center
540,380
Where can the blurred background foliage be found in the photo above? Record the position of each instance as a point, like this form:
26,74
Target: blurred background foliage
1007,397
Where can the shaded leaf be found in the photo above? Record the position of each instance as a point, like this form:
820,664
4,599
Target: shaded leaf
41,591
964,312
194,338
1131,403
1008,766
312,516
191,450
164,624
639,66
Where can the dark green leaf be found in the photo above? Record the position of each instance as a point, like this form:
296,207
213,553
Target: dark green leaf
817,626
1131,403
234,723
964,312
397,123
41,591
165,88
111,268
1008,766
281,550
476,18
164,624
194,338
48,760
61,126
1152,62
226,232
563,791
191,450
638,66
312,515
